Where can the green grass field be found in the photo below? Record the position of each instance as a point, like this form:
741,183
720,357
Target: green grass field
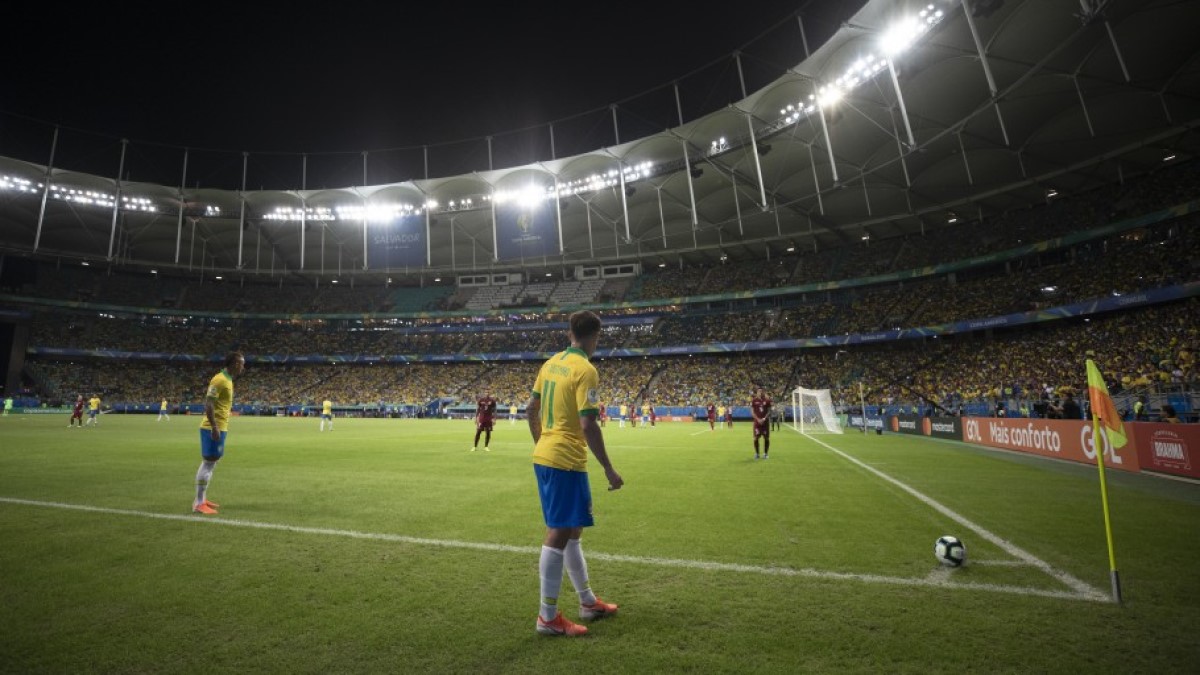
386,546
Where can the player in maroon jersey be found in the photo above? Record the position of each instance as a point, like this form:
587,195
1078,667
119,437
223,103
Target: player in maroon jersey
712,417
603,414
485,411
653,416
760,409
77,413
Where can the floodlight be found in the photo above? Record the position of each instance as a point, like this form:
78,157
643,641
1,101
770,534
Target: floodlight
901,36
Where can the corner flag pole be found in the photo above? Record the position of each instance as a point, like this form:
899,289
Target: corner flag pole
1104,409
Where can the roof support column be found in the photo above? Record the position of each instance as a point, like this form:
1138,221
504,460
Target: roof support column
866,195
912,143
828,144
816,183
428,237
624,200
662,218
762,189
900,151
37,237
616,129
242,211
737,57
112,236
587,207
1116,49
678,103
1083,105
365,215
737,207
182,206
691,185
558,214
962,149
495,239
987,69
803,37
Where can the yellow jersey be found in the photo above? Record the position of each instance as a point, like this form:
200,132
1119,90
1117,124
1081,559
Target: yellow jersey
163,405
94,403
568,387
720,412
220,392
328,407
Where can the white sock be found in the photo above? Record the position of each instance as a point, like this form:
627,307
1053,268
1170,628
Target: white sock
203,476
550,567
577,570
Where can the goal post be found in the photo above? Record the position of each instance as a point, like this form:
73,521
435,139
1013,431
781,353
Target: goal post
812,412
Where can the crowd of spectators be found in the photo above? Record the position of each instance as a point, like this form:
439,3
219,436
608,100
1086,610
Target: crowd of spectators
1152,348
1143,348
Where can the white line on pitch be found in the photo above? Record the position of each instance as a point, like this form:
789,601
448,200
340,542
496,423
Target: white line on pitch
934,581
1080,587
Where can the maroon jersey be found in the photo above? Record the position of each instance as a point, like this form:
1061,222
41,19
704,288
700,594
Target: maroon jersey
712,411
485,408
762,409
603,411
78,408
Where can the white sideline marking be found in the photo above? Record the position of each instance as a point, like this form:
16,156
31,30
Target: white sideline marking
1083,589
934,580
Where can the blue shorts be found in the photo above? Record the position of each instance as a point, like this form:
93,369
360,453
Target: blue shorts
92,413
326,417
208,449
566,497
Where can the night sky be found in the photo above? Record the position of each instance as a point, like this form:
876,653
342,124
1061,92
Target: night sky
358,76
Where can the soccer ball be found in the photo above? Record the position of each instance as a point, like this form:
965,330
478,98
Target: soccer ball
950,551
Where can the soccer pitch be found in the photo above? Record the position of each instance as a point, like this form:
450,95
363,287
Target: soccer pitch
387,546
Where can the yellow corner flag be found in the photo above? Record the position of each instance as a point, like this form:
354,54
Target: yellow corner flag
1106,417
1103,409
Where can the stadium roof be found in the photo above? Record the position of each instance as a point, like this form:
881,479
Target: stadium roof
1068,95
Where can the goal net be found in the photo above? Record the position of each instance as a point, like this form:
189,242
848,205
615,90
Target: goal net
812,412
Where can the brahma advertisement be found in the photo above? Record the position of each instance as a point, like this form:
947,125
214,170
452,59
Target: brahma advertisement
1168,448
1062,439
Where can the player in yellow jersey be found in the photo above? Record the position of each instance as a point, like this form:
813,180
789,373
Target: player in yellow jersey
218,403
93,411
162,411
562,420
512,414
327,414
721,414
624,412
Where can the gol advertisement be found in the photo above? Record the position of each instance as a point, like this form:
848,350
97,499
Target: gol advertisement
1062,439
1168,448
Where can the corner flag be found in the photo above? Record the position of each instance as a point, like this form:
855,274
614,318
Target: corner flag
1103,409
1106,417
